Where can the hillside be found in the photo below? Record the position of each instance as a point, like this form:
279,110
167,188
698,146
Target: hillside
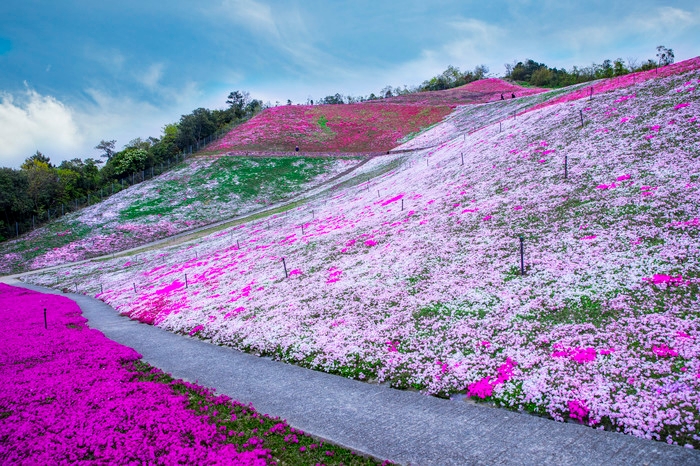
412,276
373,126
199,192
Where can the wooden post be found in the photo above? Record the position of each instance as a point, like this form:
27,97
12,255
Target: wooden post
185,280
522,257
401,205
101,289
134,287
285,268
17,229
462,158
566,166
581,118
45,325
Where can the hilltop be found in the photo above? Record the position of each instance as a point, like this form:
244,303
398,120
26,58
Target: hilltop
372,126
409,271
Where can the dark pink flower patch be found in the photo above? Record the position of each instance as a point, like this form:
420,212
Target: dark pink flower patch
683,105
71,397
393,199
578,410
663,351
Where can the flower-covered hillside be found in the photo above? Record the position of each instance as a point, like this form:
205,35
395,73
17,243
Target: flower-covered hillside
414,277
477,92
201,191
330,128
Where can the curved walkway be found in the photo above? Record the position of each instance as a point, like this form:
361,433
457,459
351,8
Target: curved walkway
404,427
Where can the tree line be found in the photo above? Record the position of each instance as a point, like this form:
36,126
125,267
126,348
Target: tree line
528,72
38,186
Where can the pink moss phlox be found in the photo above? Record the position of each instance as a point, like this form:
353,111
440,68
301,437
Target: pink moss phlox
664,351
578,410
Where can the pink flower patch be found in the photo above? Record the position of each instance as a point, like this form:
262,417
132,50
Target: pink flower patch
518,207
541,160
663,351
236,311
334,275
370,243
655,128
470,210
196,329
294,272
578,410
393,199
683,105
660,278
624,177
487,218
624,98
589,237
392,346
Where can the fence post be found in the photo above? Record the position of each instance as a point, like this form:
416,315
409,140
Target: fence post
17,229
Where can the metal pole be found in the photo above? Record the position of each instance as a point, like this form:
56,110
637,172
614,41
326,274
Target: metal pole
401,205
285,268
566,166
462,158
101,289
134,287
581,118
45,325
17,229
185,280
522,257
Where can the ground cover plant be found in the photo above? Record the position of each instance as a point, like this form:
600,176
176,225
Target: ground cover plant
201,191
477,92
70,395
413,277
330,128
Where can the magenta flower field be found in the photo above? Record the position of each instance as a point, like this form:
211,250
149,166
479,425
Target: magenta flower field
412,275
330,128
67,398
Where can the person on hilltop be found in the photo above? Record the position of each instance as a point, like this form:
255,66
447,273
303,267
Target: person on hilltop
502,98
512,96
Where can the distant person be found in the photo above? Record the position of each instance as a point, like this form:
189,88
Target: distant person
296,149
502,98
512,96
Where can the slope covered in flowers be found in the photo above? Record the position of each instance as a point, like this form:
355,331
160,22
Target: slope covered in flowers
201,191
477,92
413,277
330,128
67,397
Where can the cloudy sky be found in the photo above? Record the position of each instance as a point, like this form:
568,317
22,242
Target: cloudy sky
73,72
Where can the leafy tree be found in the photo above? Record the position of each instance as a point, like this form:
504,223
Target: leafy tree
619,68
107,148
37,157
194,127
44,188
14,203
665,56
129,161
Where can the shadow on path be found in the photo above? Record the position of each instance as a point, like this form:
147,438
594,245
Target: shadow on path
404,427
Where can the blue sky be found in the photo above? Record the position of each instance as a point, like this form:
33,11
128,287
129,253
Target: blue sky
73,72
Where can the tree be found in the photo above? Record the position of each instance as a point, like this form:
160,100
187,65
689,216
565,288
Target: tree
237,101
107,148
619,67
14,203
29,162
664,55
129,160
195,127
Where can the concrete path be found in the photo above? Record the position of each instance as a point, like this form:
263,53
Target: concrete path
404,427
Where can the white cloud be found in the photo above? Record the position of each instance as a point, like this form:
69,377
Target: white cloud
35,122
151,76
